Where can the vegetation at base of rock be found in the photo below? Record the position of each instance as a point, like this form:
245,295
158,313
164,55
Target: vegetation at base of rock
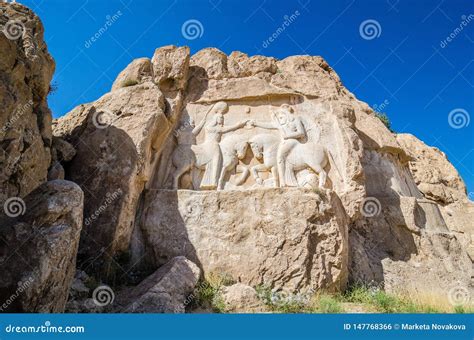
363,298
208,293
130,82
385,120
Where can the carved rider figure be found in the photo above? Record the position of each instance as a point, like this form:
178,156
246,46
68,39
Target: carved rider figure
293,132
209,151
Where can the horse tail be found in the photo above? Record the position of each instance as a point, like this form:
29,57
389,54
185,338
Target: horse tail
331,158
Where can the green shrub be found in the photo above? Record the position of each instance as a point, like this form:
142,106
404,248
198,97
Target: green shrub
385,120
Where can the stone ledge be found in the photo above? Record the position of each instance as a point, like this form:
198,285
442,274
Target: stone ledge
293,239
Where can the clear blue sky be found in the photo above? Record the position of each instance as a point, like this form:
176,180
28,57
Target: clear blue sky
406,65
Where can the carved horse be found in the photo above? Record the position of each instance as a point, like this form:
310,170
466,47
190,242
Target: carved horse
233,150
264,148
185,160
303,156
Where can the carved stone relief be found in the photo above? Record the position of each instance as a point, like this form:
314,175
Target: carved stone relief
247,146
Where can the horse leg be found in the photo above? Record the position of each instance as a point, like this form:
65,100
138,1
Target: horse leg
178,173
276,179
256,169
245,173
322,174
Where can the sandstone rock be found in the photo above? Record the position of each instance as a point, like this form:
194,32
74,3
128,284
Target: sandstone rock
209,63
435,177
308,75
116,140
195,181
164,291
137,72
38,249
170,67
26,69
241,65
240,298
296,239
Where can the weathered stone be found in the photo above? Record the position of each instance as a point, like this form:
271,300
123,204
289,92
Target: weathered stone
240,298
26,69
38,248
209,63
291,238
241,65
170,67
165,291
435,177
116,139
137,72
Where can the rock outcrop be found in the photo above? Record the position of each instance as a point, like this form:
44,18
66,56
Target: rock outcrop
289,239
164,291
267,171
26,69
38,249
40,222
220,117
118,139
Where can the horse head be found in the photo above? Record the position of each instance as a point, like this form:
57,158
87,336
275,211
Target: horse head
257,149
241,149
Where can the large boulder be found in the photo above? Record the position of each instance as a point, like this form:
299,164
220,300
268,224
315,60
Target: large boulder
38,248
165,291
118,140
26,69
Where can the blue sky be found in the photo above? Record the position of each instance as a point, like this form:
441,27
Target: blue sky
407,67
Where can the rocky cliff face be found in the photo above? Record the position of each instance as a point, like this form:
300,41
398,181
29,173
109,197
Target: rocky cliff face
267,171
221,112
40,221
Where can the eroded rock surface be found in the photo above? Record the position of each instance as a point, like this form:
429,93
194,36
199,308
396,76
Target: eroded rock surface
26,69
164,291
285,238
38,249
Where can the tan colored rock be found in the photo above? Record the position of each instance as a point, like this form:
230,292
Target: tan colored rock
26,70
308,75
38,249
241,65
137,72
209,63
240,298
291,238
170,67
116,139
434,175
164,291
